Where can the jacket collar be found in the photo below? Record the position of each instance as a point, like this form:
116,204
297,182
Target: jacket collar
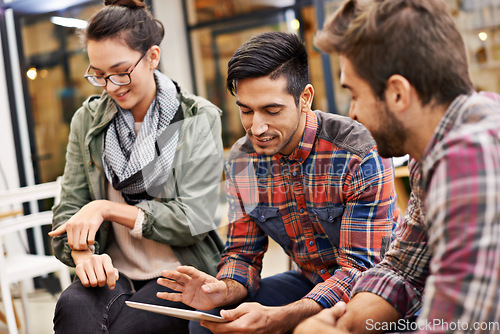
102,109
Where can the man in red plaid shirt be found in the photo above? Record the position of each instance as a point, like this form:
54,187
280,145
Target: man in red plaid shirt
310,180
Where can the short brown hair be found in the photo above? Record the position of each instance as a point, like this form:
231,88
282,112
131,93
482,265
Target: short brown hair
413,38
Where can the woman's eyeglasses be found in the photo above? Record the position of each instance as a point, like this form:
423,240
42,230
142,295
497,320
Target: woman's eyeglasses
119,79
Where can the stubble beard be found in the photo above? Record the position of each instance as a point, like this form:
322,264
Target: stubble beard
391,136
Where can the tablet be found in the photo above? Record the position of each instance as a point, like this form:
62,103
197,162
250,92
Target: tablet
176,312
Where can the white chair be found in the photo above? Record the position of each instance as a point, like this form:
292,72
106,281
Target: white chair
16,267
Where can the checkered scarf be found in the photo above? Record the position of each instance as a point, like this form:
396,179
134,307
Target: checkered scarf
138,166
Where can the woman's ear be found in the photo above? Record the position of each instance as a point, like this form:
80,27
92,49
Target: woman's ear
154,56
398,93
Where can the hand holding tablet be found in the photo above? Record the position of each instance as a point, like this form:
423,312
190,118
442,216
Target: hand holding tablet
176,312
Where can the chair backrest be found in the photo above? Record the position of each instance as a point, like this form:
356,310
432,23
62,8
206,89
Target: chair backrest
30,193
12,200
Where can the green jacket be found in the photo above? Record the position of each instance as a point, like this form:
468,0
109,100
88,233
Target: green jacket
183,216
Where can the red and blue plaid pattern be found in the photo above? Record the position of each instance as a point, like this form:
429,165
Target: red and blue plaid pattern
328,204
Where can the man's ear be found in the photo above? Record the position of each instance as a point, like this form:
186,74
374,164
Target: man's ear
398,93
154,56
306,98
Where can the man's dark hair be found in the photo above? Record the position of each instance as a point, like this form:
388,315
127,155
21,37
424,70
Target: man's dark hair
271,54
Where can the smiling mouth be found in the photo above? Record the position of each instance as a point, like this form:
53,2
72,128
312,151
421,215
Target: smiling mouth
264,141
122,94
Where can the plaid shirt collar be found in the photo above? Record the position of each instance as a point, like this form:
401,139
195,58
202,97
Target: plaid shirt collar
454,111
305,146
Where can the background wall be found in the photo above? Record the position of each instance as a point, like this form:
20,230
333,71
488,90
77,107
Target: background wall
174,48
8,164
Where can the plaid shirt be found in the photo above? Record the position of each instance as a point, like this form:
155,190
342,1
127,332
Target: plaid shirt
329,205
449,242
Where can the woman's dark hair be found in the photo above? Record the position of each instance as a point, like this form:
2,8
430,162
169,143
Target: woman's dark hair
128,20
271,54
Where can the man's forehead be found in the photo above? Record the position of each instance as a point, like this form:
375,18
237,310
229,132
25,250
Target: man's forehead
348,76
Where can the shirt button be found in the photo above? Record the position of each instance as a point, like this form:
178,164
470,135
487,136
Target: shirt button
322,271
301,210
294,173
262,218
311,243
330,218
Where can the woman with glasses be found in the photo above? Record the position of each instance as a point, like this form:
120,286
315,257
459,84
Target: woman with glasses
141,181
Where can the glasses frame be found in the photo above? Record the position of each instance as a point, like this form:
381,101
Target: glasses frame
109,77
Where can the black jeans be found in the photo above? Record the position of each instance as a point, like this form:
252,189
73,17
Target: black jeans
101,310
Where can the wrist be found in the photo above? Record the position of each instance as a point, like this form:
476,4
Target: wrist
292,314
120,213
279,319
103,207
80,256
235,292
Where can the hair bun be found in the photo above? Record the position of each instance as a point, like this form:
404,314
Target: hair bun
126,3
